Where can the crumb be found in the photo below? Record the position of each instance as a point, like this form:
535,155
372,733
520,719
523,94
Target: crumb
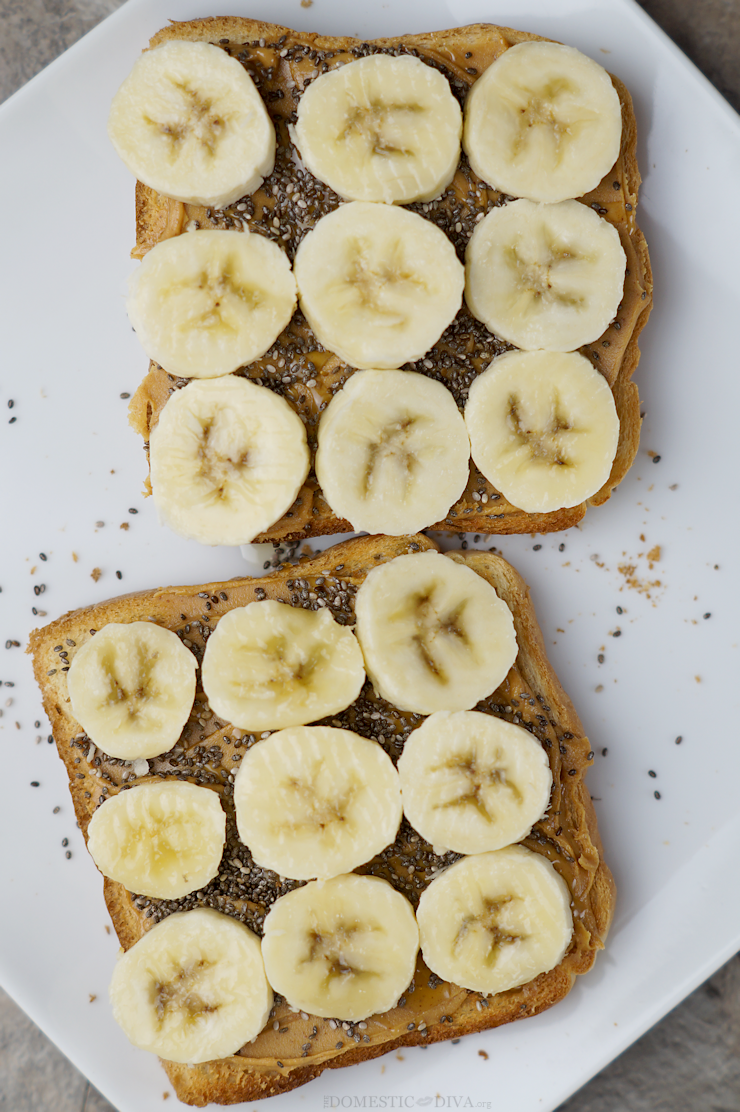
124,526
33,569
399,1057
306,3
698,679
96,574
93,997
382,1070
600,687
642,537
75,557
107,929
482,1054
165,1096
653,555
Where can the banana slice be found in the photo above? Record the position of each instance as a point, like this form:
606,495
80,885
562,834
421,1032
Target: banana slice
544,122
207,303
381,129
545,276
377,284
495,920
314,801
435,636
343,948
268,665
227,460
189,122
132,688
193,989
393,452
159,839
472,782
543,428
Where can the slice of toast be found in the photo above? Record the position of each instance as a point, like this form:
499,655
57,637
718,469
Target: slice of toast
282,62
209,752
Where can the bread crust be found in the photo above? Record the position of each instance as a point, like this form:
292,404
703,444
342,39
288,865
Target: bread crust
467,343
530,696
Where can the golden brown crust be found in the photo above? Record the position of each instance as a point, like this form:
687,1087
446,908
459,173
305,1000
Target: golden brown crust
615,354
531,696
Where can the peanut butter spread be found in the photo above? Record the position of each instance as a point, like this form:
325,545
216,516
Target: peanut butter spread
209,753
292,200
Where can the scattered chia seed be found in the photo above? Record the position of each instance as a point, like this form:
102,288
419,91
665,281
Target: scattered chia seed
536,547
132,510
68,854
561,548
679,739
652,773
125,395
707,615
119,575
42,556
657,795
604,751
656,459
35,784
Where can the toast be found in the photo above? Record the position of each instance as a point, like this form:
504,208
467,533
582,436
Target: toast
210,749
282,62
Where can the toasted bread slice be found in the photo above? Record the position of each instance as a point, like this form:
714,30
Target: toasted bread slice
282,61
209,752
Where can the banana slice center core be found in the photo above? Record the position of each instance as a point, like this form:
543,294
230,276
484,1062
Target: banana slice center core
543,280
375,283
478,779
138,687
486,926
435,628
376,123
317,808
392,448
179,997
336,949
219,463
195,118
546,443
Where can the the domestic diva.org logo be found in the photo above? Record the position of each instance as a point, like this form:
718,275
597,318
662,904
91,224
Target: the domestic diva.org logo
388,1101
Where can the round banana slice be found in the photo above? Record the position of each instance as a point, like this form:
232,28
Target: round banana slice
193,989
435,636
377,284
495,920
381,129
393,452
227,460
207,303
315,801
471,782
189,122
268,665
159,839
543,428
132,688
545,276
343,948
544,122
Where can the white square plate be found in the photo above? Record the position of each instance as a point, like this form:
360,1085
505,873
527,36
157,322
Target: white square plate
70,461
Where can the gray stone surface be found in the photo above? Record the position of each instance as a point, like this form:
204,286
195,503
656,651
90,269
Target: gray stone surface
690,1062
